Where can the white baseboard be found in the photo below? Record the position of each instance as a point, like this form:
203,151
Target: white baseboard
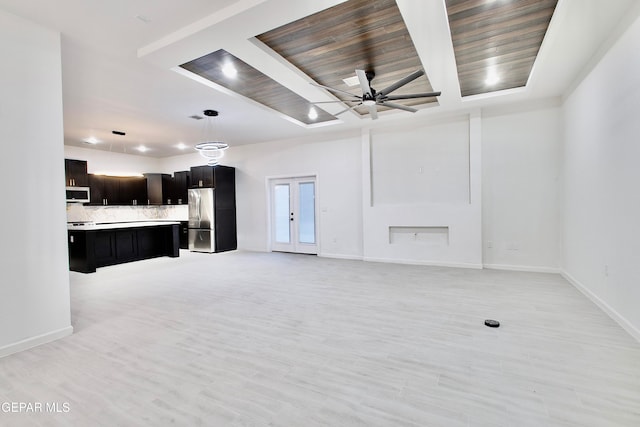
428,263
35,341
341,256
619,319
527,268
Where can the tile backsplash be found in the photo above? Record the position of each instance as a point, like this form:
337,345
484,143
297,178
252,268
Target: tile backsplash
98,214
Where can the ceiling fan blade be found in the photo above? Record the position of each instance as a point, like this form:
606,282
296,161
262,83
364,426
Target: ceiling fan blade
343,92
411,96
364,82
398,106
411,77
373,112
350,108
333,102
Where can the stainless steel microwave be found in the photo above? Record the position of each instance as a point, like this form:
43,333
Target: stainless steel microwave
78,195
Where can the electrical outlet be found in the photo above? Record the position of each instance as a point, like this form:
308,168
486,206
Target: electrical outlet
489,244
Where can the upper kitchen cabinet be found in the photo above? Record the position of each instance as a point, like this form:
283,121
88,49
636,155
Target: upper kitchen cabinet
208,176
159,186
133,191
181,184
115,190
202,177
75,172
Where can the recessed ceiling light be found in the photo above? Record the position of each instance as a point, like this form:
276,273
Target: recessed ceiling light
142,149
313,114
91,140
492,78
181,146
229,70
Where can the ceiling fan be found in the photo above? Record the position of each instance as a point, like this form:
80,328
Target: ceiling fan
371,99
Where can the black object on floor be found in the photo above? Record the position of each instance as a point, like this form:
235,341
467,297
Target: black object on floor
492,323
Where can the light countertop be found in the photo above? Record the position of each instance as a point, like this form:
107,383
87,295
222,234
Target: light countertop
113,225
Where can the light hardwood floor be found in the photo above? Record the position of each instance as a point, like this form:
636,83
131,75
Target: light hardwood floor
268,339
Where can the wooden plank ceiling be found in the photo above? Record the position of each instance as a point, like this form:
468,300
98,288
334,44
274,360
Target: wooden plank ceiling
496,39
499,38
330,45
253,84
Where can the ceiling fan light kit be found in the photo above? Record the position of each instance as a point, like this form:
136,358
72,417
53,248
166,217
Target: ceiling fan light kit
371,99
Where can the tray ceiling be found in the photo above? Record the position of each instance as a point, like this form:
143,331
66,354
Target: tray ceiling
330,45
255,85
116,61
496,42
495,45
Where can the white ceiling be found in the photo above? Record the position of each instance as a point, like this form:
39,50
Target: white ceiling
119,60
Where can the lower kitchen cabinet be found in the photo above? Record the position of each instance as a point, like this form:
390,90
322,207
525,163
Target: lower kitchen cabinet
90,249
104,244
127,243
184,234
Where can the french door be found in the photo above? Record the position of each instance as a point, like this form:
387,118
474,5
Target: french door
293,215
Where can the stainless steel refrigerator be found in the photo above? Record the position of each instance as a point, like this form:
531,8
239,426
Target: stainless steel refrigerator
202,221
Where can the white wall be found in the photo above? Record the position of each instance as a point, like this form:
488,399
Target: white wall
417,166
34,290
107,162
429,187
601,211
521,161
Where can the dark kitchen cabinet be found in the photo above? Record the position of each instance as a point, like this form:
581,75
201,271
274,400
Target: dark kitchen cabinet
225,186
159,187
181,183
132,191
97,189
105,247
89,249
126,244
184,234
75,173
226,230
202,177
115,190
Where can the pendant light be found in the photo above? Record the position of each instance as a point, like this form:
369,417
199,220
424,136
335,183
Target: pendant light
211,149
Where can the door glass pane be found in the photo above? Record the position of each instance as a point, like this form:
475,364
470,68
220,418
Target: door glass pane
281,213
307,214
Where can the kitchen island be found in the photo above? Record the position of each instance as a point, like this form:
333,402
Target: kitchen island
93,245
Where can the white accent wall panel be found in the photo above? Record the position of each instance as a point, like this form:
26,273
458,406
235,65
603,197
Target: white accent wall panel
425,178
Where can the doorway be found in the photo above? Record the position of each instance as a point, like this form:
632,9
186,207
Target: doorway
293,215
